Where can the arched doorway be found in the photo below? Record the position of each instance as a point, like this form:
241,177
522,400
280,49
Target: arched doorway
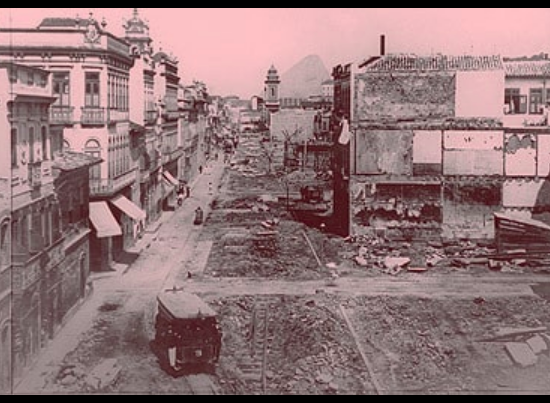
5,359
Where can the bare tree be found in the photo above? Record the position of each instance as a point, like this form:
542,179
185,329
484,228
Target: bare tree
288,140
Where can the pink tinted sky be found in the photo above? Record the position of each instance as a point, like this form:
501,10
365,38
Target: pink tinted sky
231,49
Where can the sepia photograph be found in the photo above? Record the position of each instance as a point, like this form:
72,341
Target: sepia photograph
278,201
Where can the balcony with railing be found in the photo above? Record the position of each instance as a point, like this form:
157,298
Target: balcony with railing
109,187
92,116
62,115
118,116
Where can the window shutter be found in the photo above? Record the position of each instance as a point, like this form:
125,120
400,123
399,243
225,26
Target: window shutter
523,104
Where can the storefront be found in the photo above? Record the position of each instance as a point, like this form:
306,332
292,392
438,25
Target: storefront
105,228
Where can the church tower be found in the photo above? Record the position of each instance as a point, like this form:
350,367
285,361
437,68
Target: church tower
272,82
137,35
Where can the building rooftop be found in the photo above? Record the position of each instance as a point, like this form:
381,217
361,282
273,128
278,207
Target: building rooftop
411,62
70,161
63,23
527,68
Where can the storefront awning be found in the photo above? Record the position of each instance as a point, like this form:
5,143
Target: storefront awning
169,188
171,179
129,208
103,220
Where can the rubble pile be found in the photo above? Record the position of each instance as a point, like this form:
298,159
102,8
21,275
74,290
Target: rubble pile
311,352
380,255
270,248
440,345
317,354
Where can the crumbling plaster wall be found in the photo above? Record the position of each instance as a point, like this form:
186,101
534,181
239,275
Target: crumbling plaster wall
405,96
408,132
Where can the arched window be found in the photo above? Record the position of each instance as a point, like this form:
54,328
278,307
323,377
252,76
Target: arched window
93,149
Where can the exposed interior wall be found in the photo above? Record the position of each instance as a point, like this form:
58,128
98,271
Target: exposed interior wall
398,210
405,96
469,206
384,152
521,155
479,94
427,153
473,153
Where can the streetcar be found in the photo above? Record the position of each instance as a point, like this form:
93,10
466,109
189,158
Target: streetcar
188,336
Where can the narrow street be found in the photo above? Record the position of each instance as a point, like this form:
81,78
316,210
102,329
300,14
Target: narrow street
118,320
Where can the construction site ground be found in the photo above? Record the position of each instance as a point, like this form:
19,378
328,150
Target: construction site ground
294,326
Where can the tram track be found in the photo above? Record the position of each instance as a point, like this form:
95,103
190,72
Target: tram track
254,366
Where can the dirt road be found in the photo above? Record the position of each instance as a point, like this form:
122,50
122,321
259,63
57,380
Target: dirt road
459,287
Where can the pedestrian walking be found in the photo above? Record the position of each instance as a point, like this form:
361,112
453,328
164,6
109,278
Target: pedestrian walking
210,188
199,216
188,191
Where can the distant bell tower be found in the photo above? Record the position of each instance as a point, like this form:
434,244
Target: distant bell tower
272,82
137,35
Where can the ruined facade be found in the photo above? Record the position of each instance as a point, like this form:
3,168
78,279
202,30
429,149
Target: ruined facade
431,156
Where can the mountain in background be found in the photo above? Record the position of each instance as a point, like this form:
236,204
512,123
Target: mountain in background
304,79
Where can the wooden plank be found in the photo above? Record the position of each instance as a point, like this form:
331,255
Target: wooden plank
312,249
512,334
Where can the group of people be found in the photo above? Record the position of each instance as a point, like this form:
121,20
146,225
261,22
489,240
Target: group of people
184,192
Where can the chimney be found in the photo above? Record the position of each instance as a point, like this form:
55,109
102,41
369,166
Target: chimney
383,45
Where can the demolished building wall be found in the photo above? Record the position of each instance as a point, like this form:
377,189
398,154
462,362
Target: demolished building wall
432,157
300,123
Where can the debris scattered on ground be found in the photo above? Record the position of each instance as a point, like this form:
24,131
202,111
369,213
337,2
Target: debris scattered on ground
521,354
311,352
537,344
104,375
513,334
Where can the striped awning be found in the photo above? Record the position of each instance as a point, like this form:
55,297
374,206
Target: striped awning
170,178
129,208
103,220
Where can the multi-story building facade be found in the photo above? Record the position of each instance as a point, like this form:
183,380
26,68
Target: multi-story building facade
145,116
48,191
90,74
5,241
36,236
194,130
171,149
